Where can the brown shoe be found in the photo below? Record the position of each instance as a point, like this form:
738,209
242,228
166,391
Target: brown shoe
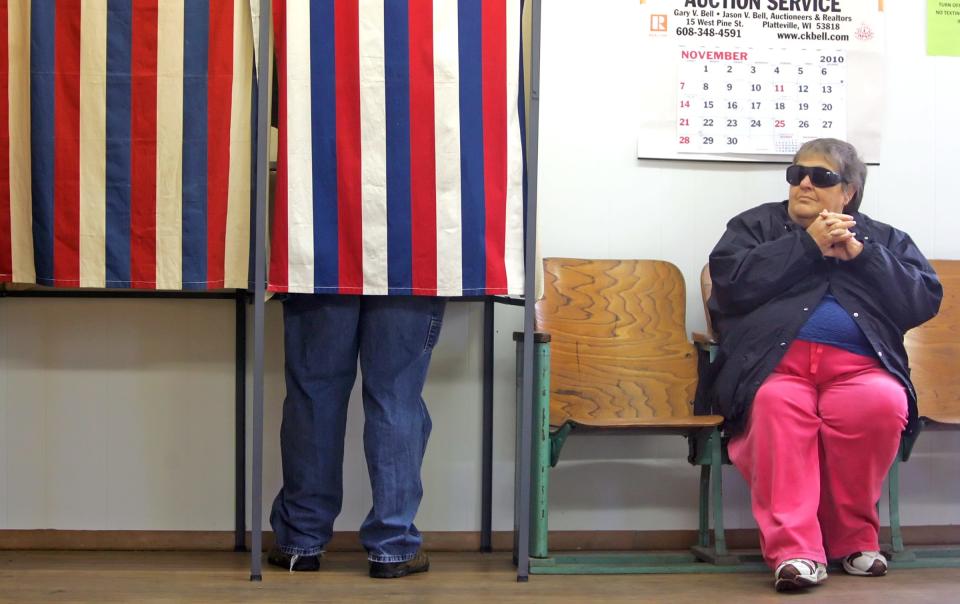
392,570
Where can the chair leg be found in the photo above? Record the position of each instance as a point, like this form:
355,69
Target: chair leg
541,453
893,485
716,463
703,538
516,466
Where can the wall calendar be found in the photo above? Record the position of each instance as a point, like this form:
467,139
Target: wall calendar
763,101
752,80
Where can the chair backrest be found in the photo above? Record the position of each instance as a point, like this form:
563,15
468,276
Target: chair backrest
619,348
934,351
706,287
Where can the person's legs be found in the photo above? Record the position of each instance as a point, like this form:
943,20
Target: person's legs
397,335
321,344
778,455
864,412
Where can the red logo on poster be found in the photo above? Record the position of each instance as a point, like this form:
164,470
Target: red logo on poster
864,32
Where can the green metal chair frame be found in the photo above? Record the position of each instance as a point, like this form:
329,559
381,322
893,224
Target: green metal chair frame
547,444
706,451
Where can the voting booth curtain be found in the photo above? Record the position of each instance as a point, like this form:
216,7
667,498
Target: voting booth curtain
127,143
400,164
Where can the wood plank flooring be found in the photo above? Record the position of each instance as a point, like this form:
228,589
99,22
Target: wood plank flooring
457,578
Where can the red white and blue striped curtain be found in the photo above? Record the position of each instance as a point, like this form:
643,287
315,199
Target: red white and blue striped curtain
400,167
126,137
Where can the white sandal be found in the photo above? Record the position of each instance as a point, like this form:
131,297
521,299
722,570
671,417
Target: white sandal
865,564
798,573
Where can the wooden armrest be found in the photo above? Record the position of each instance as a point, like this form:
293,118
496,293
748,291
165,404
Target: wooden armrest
704,340
539,337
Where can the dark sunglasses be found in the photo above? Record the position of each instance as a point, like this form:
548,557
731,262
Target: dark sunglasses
819,177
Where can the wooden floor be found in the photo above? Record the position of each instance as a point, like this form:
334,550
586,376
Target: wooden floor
456,578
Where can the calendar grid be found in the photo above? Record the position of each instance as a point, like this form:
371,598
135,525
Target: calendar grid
759,101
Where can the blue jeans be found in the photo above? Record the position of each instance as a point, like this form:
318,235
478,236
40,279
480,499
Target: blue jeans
324,334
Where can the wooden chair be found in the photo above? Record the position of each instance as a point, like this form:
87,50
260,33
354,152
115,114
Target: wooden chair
708,344
706,288
612,355
933,349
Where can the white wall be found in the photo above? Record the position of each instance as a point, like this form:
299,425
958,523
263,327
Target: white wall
597,200
118,414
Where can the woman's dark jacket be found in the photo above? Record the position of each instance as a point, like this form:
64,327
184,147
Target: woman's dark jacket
768,275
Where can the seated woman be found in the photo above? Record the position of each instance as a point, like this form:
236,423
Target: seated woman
811,299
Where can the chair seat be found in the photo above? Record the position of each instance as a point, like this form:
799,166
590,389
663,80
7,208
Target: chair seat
941,421
692,422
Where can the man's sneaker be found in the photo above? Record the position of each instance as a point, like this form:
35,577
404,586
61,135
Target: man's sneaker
391,570
865,564
798,573
293,562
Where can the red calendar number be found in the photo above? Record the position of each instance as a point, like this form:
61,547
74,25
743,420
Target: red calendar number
684,140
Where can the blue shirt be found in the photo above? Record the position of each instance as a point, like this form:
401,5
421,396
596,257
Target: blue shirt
831,324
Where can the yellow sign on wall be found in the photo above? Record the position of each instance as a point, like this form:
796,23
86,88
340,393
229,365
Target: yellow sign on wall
943,28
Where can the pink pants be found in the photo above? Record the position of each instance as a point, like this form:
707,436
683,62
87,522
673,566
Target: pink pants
823,431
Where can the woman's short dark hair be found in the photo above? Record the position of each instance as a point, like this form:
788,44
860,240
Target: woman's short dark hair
844,156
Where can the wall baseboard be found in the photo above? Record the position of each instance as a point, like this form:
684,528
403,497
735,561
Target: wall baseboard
441,541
